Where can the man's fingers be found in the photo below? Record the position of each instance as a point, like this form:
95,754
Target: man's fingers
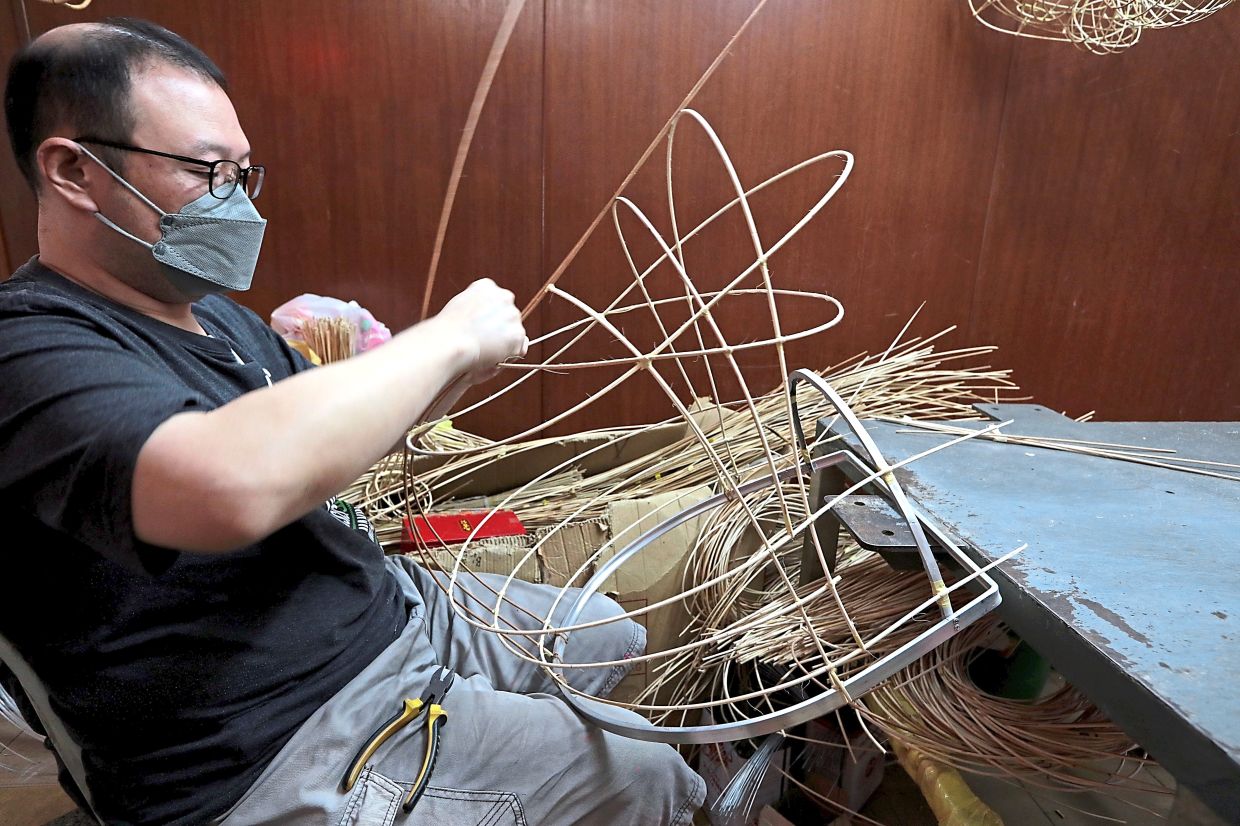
487,313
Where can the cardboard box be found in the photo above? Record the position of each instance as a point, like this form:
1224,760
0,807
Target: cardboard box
652,576
843,766
770,817
562,558
655,574
523,462
559,557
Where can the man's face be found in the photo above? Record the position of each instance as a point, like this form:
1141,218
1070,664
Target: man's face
179,112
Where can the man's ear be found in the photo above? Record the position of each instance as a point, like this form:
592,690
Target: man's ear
66,170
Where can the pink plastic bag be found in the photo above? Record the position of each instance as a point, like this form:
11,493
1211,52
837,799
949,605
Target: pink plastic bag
289,316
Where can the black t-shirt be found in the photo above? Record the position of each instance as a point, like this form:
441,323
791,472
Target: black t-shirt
180,675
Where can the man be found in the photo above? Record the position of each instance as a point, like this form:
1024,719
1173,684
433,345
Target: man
201,638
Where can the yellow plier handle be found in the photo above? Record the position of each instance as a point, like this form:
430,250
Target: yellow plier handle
436,717
409,712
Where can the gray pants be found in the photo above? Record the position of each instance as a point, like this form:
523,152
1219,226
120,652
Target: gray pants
510,752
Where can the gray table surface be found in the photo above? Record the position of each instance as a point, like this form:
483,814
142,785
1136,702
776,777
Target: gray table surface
1130,585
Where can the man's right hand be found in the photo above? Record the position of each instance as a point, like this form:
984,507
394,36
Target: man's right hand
219,480
485,315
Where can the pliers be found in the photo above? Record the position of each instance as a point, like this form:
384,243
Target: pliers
430,706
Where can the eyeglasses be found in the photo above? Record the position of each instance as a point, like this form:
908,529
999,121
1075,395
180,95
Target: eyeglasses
225,175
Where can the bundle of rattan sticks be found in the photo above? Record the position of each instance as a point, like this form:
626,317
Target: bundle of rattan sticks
914,380
331,339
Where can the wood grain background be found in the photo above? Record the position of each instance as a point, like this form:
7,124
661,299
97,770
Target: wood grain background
1081,212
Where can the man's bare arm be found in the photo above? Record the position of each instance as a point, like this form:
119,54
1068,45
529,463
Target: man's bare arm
218,481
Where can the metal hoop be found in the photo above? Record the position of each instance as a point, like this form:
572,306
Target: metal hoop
952,622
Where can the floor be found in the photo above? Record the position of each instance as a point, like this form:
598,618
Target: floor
29,795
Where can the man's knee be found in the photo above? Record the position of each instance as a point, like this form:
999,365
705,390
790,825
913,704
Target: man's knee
659,786
618,639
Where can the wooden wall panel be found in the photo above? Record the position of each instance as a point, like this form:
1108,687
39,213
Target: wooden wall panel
1079,211
356,111
1110,274
915,91
17,207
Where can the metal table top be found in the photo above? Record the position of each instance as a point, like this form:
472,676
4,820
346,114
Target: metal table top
1130,585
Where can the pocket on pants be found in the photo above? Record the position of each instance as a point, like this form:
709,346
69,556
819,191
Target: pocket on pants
376,800
468,808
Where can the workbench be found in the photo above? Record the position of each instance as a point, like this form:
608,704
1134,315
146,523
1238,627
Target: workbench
1130,585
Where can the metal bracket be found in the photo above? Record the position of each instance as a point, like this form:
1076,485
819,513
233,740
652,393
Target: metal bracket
877,526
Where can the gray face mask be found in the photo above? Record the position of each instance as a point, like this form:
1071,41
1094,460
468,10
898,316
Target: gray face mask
209,246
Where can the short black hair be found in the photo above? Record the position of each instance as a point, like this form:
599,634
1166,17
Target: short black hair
83,84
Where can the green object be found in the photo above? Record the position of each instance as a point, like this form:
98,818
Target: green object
1016,674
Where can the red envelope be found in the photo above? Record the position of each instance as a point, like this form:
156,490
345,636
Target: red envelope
454,528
